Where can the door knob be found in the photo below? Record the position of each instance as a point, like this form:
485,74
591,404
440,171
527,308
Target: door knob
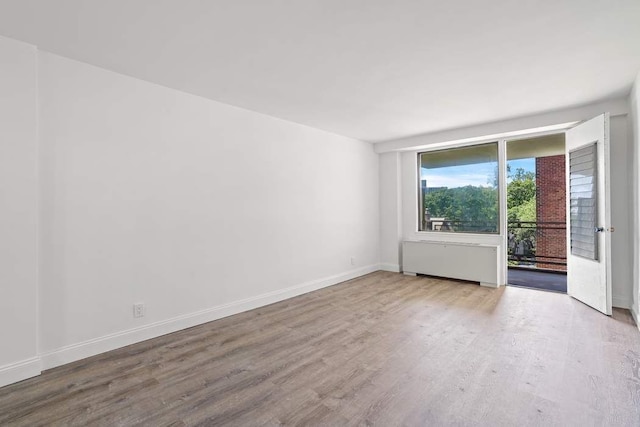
599,229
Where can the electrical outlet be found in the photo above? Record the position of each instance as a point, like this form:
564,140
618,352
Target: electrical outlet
353,260
138,310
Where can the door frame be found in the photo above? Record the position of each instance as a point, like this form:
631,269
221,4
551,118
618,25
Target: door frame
503,190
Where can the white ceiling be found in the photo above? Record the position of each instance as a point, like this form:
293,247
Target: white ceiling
370,69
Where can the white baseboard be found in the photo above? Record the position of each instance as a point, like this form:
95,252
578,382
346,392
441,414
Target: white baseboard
636,317
109,342
489,285
394,268
621,302
19,371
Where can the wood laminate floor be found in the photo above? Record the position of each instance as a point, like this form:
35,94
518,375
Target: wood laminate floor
384,349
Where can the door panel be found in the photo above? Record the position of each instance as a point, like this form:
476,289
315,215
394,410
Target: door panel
589,213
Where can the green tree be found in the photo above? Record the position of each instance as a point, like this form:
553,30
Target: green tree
521,190
469,208
521,208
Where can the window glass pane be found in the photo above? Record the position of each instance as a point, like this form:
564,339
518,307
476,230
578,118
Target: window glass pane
459,190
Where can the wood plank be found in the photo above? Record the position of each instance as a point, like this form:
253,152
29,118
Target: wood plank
385,349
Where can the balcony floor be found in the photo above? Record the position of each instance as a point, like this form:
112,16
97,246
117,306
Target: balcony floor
537,279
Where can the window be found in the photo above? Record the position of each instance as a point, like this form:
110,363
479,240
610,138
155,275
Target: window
459,190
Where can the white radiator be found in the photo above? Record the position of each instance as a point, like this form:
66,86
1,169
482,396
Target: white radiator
474,262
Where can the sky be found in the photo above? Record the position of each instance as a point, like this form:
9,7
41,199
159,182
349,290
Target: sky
529,165
480,175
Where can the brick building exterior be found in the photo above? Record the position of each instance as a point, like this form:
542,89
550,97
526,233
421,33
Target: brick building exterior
551,212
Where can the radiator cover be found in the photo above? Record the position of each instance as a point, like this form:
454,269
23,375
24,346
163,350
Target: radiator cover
465,261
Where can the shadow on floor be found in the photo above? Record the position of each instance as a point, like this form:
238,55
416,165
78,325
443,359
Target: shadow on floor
537,279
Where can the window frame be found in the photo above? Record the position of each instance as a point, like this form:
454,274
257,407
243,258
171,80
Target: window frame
499,179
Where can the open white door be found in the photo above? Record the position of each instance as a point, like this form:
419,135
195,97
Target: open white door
589,213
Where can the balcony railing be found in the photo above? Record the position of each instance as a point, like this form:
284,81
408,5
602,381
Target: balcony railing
537,244
443,224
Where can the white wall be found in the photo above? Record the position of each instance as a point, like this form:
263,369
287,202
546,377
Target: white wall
195,208
18,212
622,262
621,196
634,131
390,211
